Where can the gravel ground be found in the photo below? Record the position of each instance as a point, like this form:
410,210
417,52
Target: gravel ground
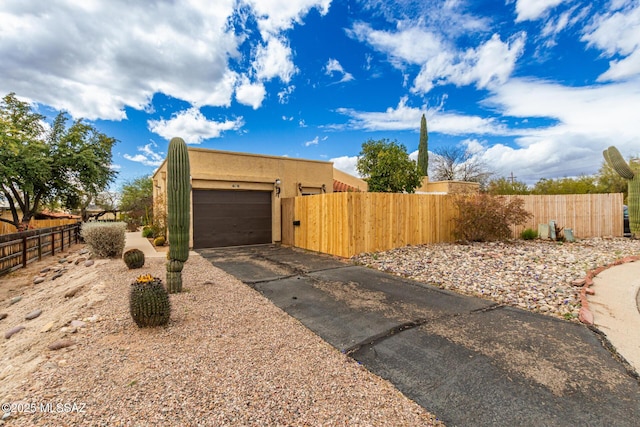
227,357
533,275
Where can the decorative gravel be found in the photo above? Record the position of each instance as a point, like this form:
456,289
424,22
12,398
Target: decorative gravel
227,357
541,276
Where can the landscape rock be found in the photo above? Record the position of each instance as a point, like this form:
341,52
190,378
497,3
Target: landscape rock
63,343
3,316
83,251
77,324
79,260
15,300
88,263
45,270
33,315
11,332
71,293
58,274
62,260
47,327
38,279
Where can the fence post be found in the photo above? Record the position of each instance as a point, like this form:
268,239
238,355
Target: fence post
39,247
24,252
62,240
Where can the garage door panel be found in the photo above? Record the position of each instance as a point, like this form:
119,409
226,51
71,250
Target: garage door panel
231,218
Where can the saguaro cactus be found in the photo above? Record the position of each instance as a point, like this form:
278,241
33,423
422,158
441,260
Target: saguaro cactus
178,215
617,163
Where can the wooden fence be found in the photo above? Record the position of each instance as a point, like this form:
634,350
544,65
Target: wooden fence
36,223
19,249
588,215
345,224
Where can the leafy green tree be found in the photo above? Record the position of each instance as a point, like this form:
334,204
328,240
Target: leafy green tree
136,202
423,148
38,166
585,184
609,181
504,186
387,168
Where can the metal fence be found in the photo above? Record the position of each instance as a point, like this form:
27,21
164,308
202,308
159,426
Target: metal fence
17,250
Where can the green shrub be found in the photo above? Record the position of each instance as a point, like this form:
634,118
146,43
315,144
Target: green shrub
485,218
105,239
159,241
147,232
528,234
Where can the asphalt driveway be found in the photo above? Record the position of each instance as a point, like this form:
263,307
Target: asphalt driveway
467,360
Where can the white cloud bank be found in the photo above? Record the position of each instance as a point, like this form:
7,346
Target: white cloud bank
193,126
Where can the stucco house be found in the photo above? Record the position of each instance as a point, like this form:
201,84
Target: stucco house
235,198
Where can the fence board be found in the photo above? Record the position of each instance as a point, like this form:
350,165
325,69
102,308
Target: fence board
588,215
20,249
36,224
345,224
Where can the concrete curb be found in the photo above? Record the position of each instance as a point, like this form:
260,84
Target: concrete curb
585,315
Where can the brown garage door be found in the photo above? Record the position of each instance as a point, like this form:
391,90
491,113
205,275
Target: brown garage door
231,218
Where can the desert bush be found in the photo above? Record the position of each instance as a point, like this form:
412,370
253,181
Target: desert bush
484,218
147,232
528,234
105,239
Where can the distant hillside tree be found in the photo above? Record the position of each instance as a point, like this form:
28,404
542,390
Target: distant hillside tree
505,186
585,184
387,168
423,148
39,166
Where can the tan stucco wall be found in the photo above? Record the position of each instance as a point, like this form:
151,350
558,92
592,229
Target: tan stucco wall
224,170
448,187
351,180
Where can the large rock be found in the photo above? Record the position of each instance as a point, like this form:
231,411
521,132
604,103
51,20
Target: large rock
11,332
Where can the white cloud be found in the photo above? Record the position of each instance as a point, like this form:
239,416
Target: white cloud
274,60
275,16
530,10
404,117
314,141
192,126
490,63
284,94
251,94
617,33
333,66
346,164
93,59
147,155
441,61
585,120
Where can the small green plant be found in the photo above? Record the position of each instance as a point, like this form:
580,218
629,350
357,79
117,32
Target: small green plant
147,232
134,258
159,241
149,302
528,234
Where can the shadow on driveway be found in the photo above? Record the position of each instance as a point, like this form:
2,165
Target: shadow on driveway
467,360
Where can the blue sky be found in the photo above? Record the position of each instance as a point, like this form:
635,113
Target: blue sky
537,88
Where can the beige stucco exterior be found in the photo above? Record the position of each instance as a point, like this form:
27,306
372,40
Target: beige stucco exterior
448,187
223,170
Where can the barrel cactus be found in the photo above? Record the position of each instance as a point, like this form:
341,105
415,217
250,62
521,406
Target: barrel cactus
134,258
622,168
149,302
178,215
